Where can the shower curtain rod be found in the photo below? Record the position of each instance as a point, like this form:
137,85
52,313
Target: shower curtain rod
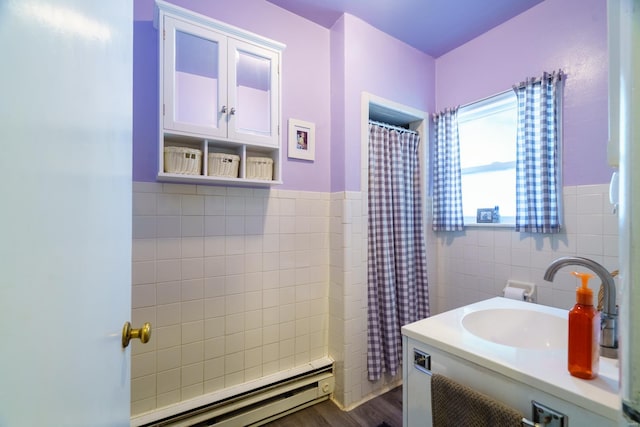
388,126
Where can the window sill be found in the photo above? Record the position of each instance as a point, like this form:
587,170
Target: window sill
490,225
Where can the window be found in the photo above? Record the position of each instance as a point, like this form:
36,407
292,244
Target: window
488,131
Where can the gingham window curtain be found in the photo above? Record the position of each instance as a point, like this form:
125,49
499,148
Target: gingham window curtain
537,156
447,184
396,267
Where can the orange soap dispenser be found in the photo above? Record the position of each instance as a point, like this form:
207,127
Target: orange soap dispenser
584,333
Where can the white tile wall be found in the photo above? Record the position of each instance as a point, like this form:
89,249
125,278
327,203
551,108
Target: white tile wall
242,283
234,281
491,256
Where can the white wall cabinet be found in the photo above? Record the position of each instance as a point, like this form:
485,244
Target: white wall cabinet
219,92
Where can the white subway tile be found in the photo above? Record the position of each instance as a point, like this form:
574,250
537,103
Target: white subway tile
192,374
168,270
253,338
192,353
192,268
179,189
192,331
214,384
270,352
143,250
253,281
143,364
168,292
272,225
214,307
235,206
214,348
215,266
234,304
590,224
143,387
143,296
215,225
214,368
144,227
168,380
192,247
270,262
287,347
589,203
169,248
253,262
287,224
163,400
192,205
235,264
169,336
271,335
144,203
234,323
287,207
287,331
146,187
168,204
214,205
168,226
253,243
233,362
192,311
234,284
234,245
168,314
192,226
143,272
253,319
271,316
590,244
214,327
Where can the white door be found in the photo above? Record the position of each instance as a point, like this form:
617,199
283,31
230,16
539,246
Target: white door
65,211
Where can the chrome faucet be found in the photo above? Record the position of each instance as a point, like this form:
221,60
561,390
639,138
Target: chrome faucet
609,315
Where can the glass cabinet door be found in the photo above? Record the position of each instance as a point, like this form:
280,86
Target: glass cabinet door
195,90
253,88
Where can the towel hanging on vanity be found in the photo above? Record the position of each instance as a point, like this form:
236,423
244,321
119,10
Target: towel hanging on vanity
454,405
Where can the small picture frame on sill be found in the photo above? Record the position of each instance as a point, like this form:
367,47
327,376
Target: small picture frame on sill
484,215
302,140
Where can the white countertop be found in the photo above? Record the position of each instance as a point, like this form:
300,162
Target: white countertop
544,369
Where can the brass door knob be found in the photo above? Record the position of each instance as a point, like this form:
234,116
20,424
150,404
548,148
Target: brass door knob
144,333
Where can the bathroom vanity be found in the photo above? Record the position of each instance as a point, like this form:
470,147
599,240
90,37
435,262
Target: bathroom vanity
512,351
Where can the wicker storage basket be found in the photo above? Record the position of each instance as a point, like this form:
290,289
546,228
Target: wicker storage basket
182,160
260,168
223,164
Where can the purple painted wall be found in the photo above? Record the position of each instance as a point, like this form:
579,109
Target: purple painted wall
305,82
567,34
326,71
383,66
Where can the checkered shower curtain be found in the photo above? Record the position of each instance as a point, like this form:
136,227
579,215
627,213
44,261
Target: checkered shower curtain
537,155
397,276
447,180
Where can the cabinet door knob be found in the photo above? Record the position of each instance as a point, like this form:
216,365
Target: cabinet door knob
233,111
224,109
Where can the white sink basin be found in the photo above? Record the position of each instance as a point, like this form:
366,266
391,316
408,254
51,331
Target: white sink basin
518,328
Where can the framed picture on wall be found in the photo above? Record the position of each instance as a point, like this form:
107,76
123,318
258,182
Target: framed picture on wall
302,140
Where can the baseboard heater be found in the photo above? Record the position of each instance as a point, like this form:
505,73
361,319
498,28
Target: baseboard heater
258,406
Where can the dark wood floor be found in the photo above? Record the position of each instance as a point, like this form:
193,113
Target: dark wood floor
386,408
